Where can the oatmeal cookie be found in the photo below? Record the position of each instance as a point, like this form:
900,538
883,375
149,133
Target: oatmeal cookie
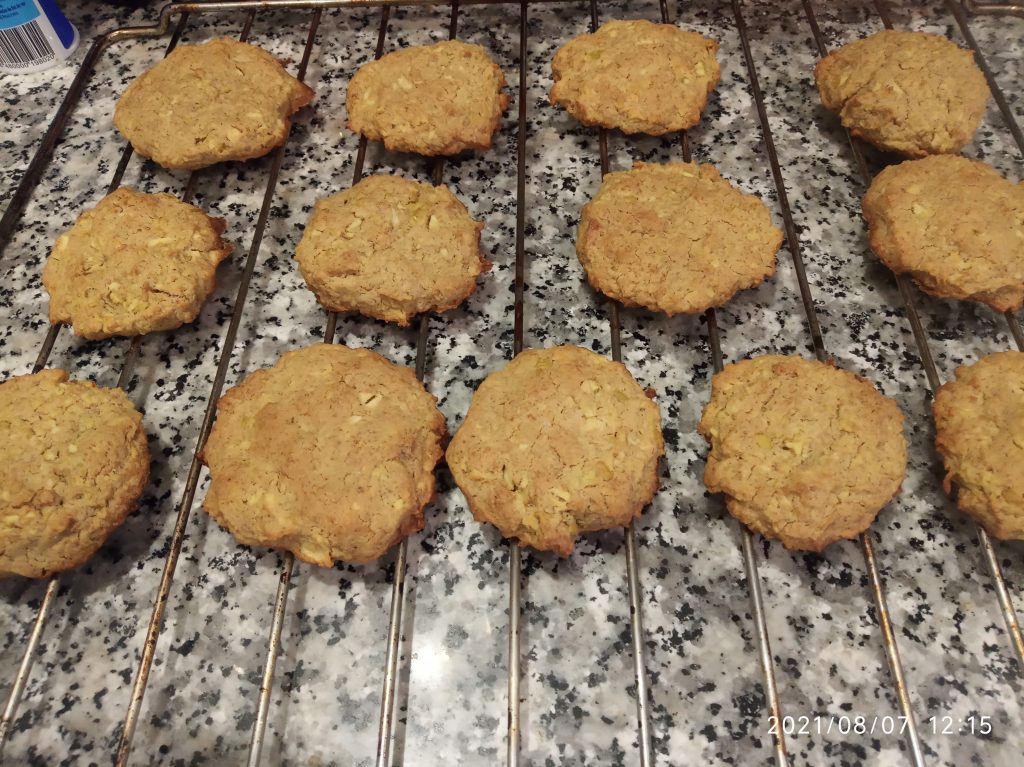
75,462
204,104
675,238
134,264
979,430
908,92
559,442
438,99
804,452
955,225
636,76
391,248
329,454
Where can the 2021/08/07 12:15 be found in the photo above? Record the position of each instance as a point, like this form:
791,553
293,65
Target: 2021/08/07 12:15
844,724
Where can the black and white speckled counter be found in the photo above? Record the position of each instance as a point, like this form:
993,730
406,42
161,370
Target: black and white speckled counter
707,691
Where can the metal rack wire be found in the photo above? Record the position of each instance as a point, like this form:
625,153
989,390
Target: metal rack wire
181,12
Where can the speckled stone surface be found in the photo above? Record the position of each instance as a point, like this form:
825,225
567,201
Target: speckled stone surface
708,700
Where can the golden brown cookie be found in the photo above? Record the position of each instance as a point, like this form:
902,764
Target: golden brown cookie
134,264
955,225
675,238
636,76
907,92
329,454
979,430
391,248
804,452
561,441
203,104
73,463
438,99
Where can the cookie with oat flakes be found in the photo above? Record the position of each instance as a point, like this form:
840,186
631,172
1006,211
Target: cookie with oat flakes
134,264
391,248
75,462
908,92
675,238
637,76
804,452
329,454
953,224
439,99
204,104
560,442
979,431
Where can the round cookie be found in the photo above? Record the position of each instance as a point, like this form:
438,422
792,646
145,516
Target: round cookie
328,454
955,225
204,104
391,248
438,99
561,441
75,461
805,452
134,264
636,76
907,92
979,430
675,238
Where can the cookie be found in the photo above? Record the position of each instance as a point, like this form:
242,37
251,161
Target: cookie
955,225
636,76
438,99
391,248
74,463
204,104
979,431
675,238
328,454
559,442
907,92
805,453
134,264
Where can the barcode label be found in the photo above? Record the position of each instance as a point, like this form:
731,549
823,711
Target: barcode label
24,46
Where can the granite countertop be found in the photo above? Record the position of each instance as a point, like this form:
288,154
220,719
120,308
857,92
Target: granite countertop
707,688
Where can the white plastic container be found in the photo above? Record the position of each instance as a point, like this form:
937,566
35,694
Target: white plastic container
34,35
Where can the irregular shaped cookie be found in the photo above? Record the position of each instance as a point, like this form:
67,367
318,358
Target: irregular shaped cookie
955,225
979,430
438,99
907,92
559,442
636,76
135,264
74,463
804,452
203,104
675,238
329,454
391,248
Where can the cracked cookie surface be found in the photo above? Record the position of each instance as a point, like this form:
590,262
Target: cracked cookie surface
953,224
75,462
391,248
134,264
908,92
328,454
979,431
637,76
675,238
804,452
439,99
204,104
559,442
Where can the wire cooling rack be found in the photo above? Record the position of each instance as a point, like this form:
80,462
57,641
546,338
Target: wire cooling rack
909,723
